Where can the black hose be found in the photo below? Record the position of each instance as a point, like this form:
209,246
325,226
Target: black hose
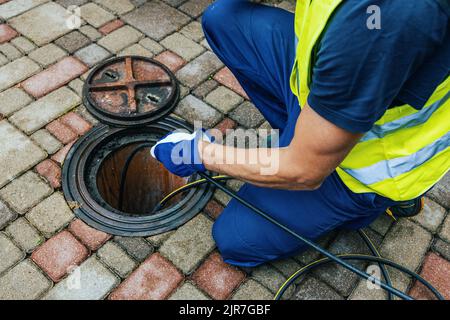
327,254
195,184
357,257
375,252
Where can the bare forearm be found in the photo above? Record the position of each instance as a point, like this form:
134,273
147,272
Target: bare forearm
272,168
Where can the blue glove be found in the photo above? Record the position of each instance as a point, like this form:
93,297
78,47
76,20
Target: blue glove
178,152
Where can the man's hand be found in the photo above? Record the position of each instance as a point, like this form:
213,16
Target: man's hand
178,152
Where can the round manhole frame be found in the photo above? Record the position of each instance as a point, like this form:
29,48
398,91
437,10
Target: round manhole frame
109,219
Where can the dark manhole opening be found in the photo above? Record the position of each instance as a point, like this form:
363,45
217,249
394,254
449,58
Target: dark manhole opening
140,188
109,176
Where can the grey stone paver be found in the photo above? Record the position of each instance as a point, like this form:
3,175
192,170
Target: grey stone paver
25,192
95,15
156,19
3,60
188,292
406,243
44,110
443,248
25,235
9,252
16,7
120,39
190,244
77,86
287,266
223,198
223,99
441,192
382,224
92,54
247,115
18,151
23,44
90,32
6,215
195,8
73,41
193,31
90,281
10,51
183,46
431,217
50,215
117,6
313,289
272,279
205,88
23,282
47,142
192,109
16,71
252,290
47,54
42,24
136,50
151,45
116,258
159,239
12,100
67,3
445,230
199,69
138,248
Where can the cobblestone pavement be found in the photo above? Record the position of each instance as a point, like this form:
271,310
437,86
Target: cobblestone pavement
43,64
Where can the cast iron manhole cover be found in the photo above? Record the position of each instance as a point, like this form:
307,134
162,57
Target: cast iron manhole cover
130,91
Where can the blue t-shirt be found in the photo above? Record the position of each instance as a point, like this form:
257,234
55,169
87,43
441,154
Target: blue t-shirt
359,72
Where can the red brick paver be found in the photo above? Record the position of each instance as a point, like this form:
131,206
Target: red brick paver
217,278
225,77
226,124
50,171
76,123
62,132
213,209
111,26
155,279
59,255
90,237
60,156
173,61
54,77
436,270
7,33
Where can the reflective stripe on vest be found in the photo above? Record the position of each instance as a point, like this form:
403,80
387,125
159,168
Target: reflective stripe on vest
395,167
415,119
407,151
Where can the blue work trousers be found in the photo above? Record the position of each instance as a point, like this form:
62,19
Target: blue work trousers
257,43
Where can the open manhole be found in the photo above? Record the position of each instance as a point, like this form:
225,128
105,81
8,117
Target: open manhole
109,176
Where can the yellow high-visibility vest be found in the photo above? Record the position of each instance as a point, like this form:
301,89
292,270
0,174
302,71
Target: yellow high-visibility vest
407,151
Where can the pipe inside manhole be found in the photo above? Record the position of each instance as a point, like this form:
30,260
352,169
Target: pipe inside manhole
142,186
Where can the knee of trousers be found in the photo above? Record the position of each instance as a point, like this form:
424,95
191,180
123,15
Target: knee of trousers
214,19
